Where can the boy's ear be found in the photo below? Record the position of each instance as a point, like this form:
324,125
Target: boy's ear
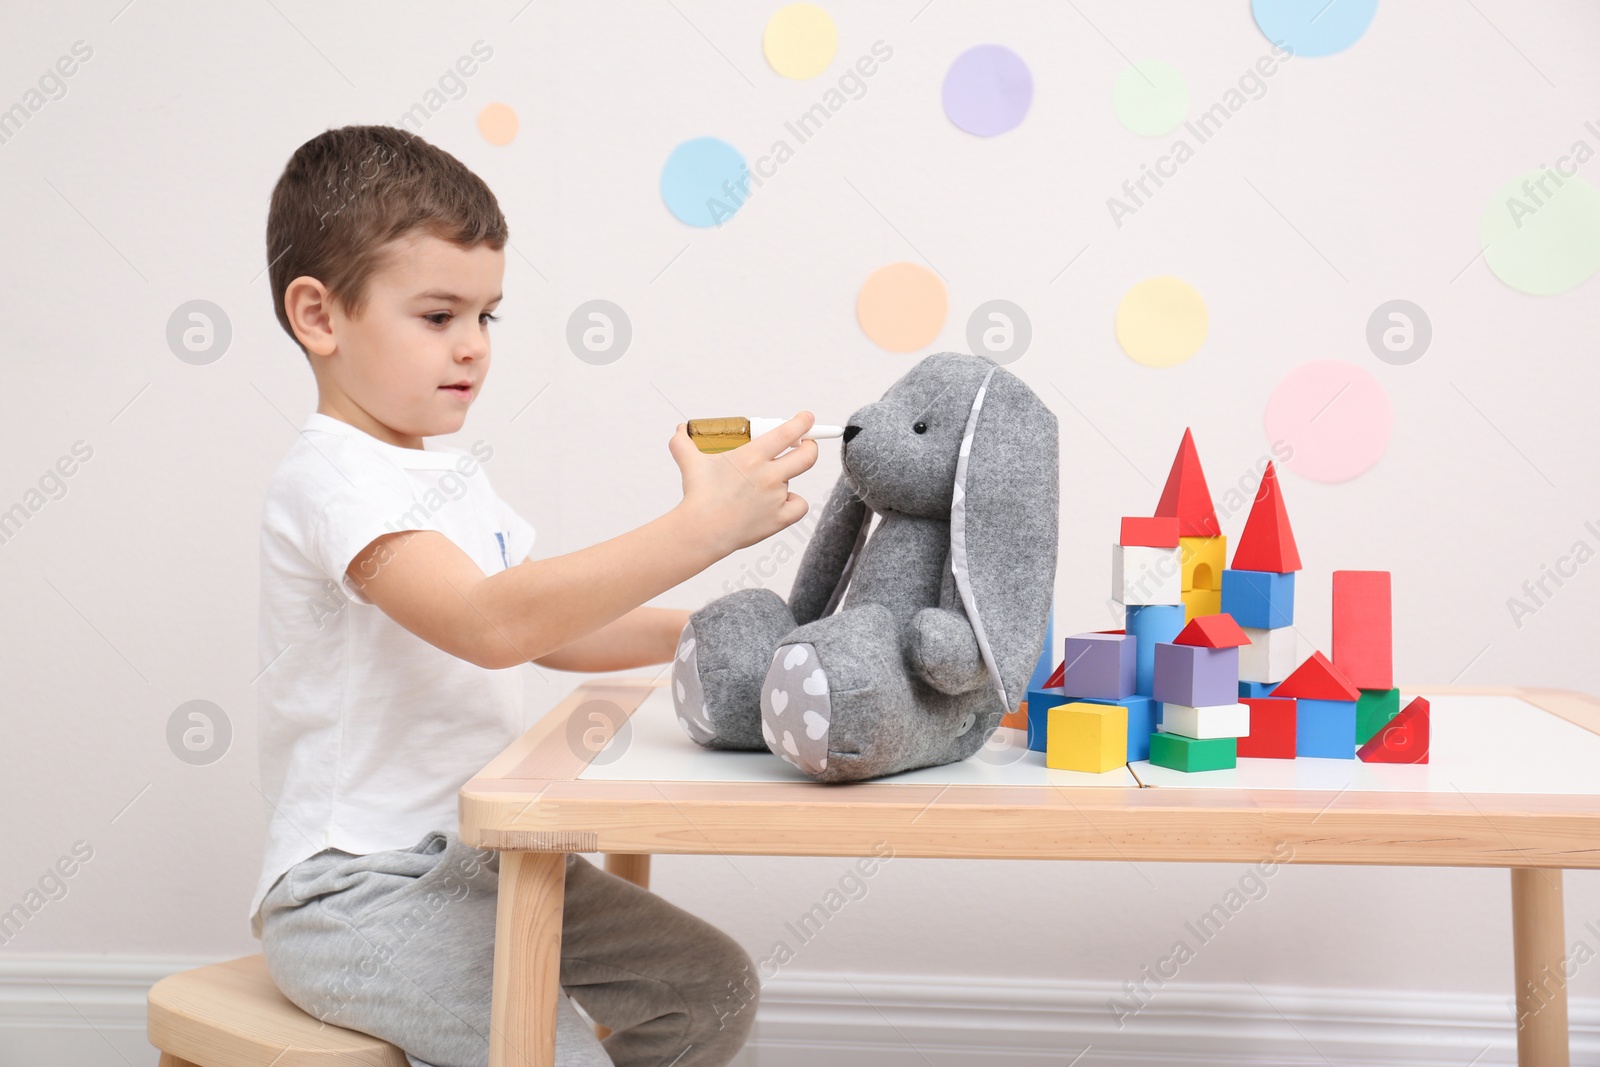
308,305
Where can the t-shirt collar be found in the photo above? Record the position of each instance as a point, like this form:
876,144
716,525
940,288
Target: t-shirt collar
424,458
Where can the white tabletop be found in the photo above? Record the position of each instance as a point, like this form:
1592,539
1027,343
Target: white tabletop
655,748
1479,744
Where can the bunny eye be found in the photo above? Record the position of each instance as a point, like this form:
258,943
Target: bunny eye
919,427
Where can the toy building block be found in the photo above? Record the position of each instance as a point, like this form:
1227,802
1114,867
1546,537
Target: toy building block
1203,561
1099,665
1143,714
1318,679
1198,677
1255,689
1017,720
1197,602
1151,624
1362,636
1087,737
1404,739
1218,720
1270,656
1272,723
1374,708
1212,631
1144,575
1054,681
1040,701
1325,728
1180,753
1267,542
1155,531
1259,599
1186,497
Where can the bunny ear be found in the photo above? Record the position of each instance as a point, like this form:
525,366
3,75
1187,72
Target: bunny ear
1003,526
831,554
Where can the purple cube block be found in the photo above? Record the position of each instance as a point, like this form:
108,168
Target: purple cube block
1103,666
1198,677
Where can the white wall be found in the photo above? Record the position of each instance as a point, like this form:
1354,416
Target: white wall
146,186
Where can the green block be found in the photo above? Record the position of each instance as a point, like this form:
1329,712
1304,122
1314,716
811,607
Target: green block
1373,709
1192,754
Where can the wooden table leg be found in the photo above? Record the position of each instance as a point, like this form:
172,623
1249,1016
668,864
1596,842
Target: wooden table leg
635,869
527,959
1538,931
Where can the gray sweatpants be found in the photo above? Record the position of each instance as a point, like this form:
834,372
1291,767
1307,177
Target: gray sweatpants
400,945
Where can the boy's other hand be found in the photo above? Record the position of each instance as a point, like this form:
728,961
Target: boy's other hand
742,496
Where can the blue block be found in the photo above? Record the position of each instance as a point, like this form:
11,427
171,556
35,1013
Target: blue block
1039,701
1143,714
1150,624
1046,664
1262,599
1325,728
1257,689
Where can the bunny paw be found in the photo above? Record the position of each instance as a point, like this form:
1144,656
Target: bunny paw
795,708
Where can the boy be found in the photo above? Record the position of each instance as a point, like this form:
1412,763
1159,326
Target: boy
395,587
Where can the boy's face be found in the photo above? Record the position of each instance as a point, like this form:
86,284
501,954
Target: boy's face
424,328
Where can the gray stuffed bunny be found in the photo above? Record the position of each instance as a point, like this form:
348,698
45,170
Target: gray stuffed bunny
948,599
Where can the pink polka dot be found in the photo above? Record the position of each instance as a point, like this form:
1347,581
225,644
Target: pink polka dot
1333,416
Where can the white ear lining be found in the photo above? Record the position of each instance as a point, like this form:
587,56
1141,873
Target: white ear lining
958,541
850,562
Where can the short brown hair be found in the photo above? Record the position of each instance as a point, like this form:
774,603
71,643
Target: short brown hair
348,192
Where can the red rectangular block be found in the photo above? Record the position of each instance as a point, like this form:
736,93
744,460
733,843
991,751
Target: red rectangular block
1363,636
1155,531
1272,722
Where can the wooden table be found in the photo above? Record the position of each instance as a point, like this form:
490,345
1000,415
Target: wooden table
1511,784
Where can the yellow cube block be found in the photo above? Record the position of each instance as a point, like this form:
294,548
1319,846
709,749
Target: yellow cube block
1201,602
1087,737
1203,560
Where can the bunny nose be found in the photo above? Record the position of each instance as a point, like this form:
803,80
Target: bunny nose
849,432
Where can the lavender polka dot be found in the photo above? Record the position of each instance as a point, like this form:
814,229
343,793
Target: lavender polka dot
988,90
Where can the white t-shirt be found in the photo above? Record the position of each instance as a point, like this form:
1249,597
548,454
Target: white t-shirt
366,731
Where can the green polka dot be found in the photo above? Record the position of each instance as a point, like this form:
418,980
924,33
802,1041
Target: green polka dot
1546,240
1151,98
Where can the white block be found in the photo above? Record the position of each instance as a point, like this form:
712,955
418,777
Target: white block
1271,656
1216,720
1141,574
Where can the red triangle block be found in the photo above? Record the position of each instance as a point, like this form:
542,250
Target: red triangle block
1186,497
1212,631
1317,679
1403,739
1267,542
1057,676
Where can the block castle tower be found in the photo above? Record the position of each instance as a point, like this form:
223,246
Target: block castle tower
1201,545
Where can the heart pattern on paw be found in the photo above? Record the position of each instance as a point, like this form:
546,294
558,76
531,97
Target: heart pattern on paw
797,685
688,697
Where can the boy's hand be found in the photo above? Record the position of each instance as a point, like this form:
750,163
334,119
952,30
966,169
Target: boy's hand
742,496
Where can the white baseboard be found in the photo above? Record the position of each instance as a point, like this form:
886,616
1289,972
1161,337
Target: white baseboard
74,1011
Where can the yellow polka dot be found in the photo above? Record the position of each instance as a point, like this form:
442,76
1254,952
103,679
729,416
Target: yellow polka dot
902,307
800,41
1162,321
498,123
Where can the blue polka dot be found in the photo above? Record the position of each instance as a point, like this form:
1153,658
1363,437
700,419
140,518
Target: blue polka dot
1314,27
703,181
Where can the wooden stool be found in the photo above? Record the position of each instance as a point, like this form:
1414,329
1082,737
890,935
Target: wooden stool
232,1015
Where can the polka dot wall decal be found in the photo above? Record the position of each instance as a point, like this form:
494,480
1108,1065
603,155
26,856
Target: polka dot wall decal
700,181
987,90
800,41
1151,98
1314,27
902,307
1334,415
1162,321
498,123
1541,233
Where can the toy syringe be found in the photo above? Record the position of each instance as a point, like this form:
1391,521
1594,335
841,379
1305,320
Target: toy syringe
719,435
